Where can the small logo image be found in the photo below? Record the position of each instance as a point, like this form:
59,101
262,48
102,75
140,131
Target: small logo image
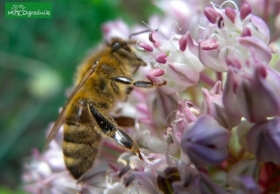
18,7
28,10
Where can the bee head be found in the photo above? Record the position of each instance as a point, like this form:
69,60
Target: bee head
121,50
117,44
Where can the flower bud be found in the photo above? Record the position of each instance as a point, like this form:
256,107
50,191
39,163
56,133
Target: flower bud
263,140
213,106
260,28
205,141
146,46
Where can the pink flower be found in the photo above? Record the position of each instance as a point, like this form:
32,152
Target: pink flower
220,101
181,69
253,93
187,113
227,33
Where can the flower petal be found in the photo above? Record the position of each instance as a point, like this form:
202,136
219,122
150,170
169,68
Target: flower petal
258,48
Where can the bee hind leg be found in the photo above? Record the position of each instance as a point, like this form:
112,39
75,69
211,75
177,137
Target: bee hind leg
109,129
125,141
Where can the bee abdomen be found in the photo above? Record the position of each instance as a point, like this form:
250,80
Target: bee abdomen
80,147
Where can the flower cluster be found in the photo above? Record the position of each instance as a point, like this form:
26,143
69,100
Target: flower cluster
213,128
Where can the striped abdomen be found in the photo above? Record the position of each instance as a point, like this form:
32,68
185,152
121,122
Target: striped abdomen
80,147
81,140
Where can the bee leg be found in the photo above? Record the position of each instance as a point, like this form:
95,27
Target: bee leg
109,128
124,140
106,124
141,84
146,84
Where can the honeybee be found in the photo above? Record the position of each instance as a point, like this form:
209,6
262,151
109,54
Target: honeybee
104,79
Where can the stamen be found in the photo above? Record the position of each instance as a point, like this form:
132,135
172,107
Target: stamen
121,158
172,31
245,10
145,46
230,13
129,180
170,114
183,42
161,58
169,140
176,24
209,44
144,58
151,27
124,170
215,6
230,1
200,26
211,15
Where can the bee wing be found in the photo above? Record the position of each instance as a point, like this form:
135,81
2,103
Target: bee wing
61,117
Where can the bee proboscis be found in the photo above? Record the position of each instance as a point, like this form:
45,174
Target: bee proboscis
104,79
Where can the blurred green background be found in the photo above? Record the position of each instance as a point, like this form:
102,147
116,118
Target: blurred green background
38,58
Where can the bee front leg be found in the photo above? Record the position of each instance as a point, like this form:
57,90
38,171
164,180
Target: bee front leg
141,84
124,140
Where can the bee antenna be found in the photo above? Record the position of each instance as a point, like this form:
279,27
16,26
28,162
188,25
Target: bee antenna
137,33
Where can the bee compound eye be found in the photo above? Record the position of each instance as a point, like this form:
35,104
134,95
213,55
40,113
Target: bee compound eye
116,46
